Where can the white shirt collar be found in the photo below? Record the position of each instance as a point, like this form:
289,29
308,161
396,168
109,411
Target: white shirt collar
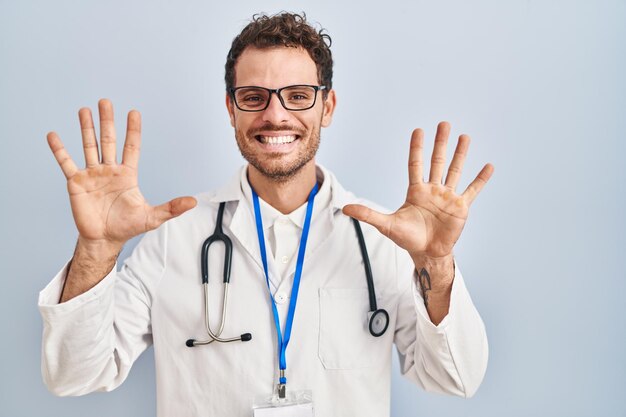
270,214
337,195
240,217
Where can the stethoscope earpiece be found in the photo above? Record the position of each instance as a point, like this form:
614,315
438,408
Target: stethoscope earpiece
246,337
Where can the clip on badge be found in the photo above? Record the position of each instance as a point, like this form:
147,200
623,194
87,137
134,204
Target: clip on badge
292,404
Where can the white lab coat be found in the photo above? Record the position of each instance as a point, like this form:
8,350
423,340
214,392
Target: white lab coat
91,341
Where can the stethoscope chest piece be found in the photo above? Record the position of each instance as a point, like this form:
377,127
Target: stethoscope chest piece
378,317
379,321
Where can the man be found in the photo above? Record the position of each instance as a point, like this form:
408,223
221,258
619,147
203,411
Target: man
292,238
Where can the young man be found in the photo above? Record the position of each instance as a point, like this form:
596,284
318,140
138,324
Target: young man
292,237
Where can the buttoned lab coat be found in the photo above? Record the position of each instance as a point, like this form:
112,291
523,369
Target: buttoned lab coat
91,341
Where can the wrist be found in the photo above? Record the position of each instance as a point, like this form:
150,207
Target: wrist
440,269
100,250
423,257
92,261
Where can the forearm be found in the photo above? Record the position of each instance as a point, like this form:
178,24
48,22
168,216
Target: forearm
90,343
450,357
435,276
83,348
92,262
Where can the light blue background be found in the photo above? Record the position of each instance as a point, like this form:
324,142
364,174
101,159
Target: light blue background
540,87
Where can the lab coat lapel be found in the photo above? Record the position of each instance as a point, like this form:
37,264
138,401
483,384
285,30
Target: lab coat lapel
243,228
243,225
321,226
322,222
320,230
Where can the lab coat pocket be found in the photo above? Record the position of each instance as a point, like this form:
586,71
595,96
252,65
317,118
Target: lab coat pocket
344,339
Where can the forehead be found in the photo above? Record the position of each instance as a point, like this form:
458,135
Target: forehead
275,67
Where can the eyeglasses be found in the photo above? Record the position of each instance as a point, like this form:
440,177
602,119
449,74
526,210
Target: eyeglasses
292,97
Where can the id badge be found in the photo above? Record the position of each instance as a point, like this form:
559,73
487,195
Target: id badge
295,404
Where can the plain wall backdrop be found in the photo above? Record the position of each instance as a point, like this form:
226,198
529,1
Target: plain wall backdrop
539,85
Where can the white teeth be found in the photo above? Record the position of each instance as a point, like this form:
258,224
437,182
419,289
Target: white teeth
278,140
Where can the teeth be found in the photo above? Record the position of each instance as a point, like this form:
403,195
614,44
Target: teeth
278,140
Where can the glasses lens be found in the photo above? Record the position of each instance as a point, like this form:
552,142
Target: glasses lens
251,98
298,97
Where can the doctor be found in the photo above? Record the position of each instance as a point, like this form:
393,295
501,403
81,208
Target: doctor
98,320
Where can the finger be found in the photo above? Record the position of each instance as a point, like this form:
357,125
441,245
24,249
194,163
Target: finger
173,208
365,214
438,159
107,131
479,182
90,143
456,166
132,145
60,154
416,159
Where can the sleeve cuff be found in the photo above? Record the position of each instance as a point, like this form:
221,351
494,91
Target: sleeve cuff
49,297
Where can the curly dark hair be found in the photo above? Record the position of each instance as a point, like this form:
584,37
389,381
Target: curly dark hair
283,29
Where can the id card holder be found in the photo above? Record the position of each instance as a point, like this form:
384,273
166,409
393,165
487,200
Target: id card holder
295,404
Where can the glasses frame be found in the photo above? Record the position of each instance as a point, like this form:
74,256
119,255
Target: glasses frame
277,91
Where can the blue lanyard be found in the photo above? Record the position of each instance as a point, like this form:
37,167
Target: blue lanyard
283,342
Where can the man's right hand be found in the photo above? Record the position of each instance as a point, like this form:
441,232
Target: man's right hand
107,206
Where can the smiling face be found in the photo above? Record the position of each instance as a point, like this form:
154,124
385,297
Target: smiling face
279,143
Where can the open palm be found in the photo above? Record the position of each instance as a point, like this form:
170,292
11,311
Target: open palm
433,216
105,198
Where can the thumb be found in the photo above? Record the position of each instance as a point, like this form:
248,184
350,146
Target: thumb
365,214
166,211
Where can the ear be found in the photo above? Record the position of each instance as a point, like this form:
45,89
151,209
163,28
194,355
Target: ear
230,106
329,108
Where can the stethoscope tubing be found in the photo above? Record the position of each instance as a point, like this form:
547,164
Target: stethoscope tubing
366,264
215,336
219,236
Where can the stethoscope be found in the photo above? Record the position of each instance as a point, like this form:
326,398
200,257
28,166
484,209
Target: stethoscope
378,319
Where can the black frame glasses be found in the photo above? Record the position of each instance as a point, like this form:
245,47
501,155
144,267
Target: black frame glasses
278,92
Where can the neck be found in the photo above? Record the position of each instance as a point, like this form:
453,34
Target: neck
284,196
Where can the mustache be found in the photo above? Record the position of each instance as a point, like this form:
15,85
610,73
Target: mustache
269,127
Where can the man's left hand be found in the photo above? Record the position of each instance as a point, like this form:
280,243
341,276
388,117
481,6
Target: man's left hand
431,220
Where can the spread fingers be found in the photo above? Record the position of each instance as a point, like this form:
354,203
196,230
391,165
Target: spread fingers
130,155
438,160
90,143
60,154
456,166
479,182
107,131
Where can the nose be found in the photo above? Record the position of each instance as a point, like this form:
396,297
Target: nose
275,113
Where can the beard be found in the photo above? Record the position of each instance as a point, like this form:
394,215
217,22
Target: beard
272,165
